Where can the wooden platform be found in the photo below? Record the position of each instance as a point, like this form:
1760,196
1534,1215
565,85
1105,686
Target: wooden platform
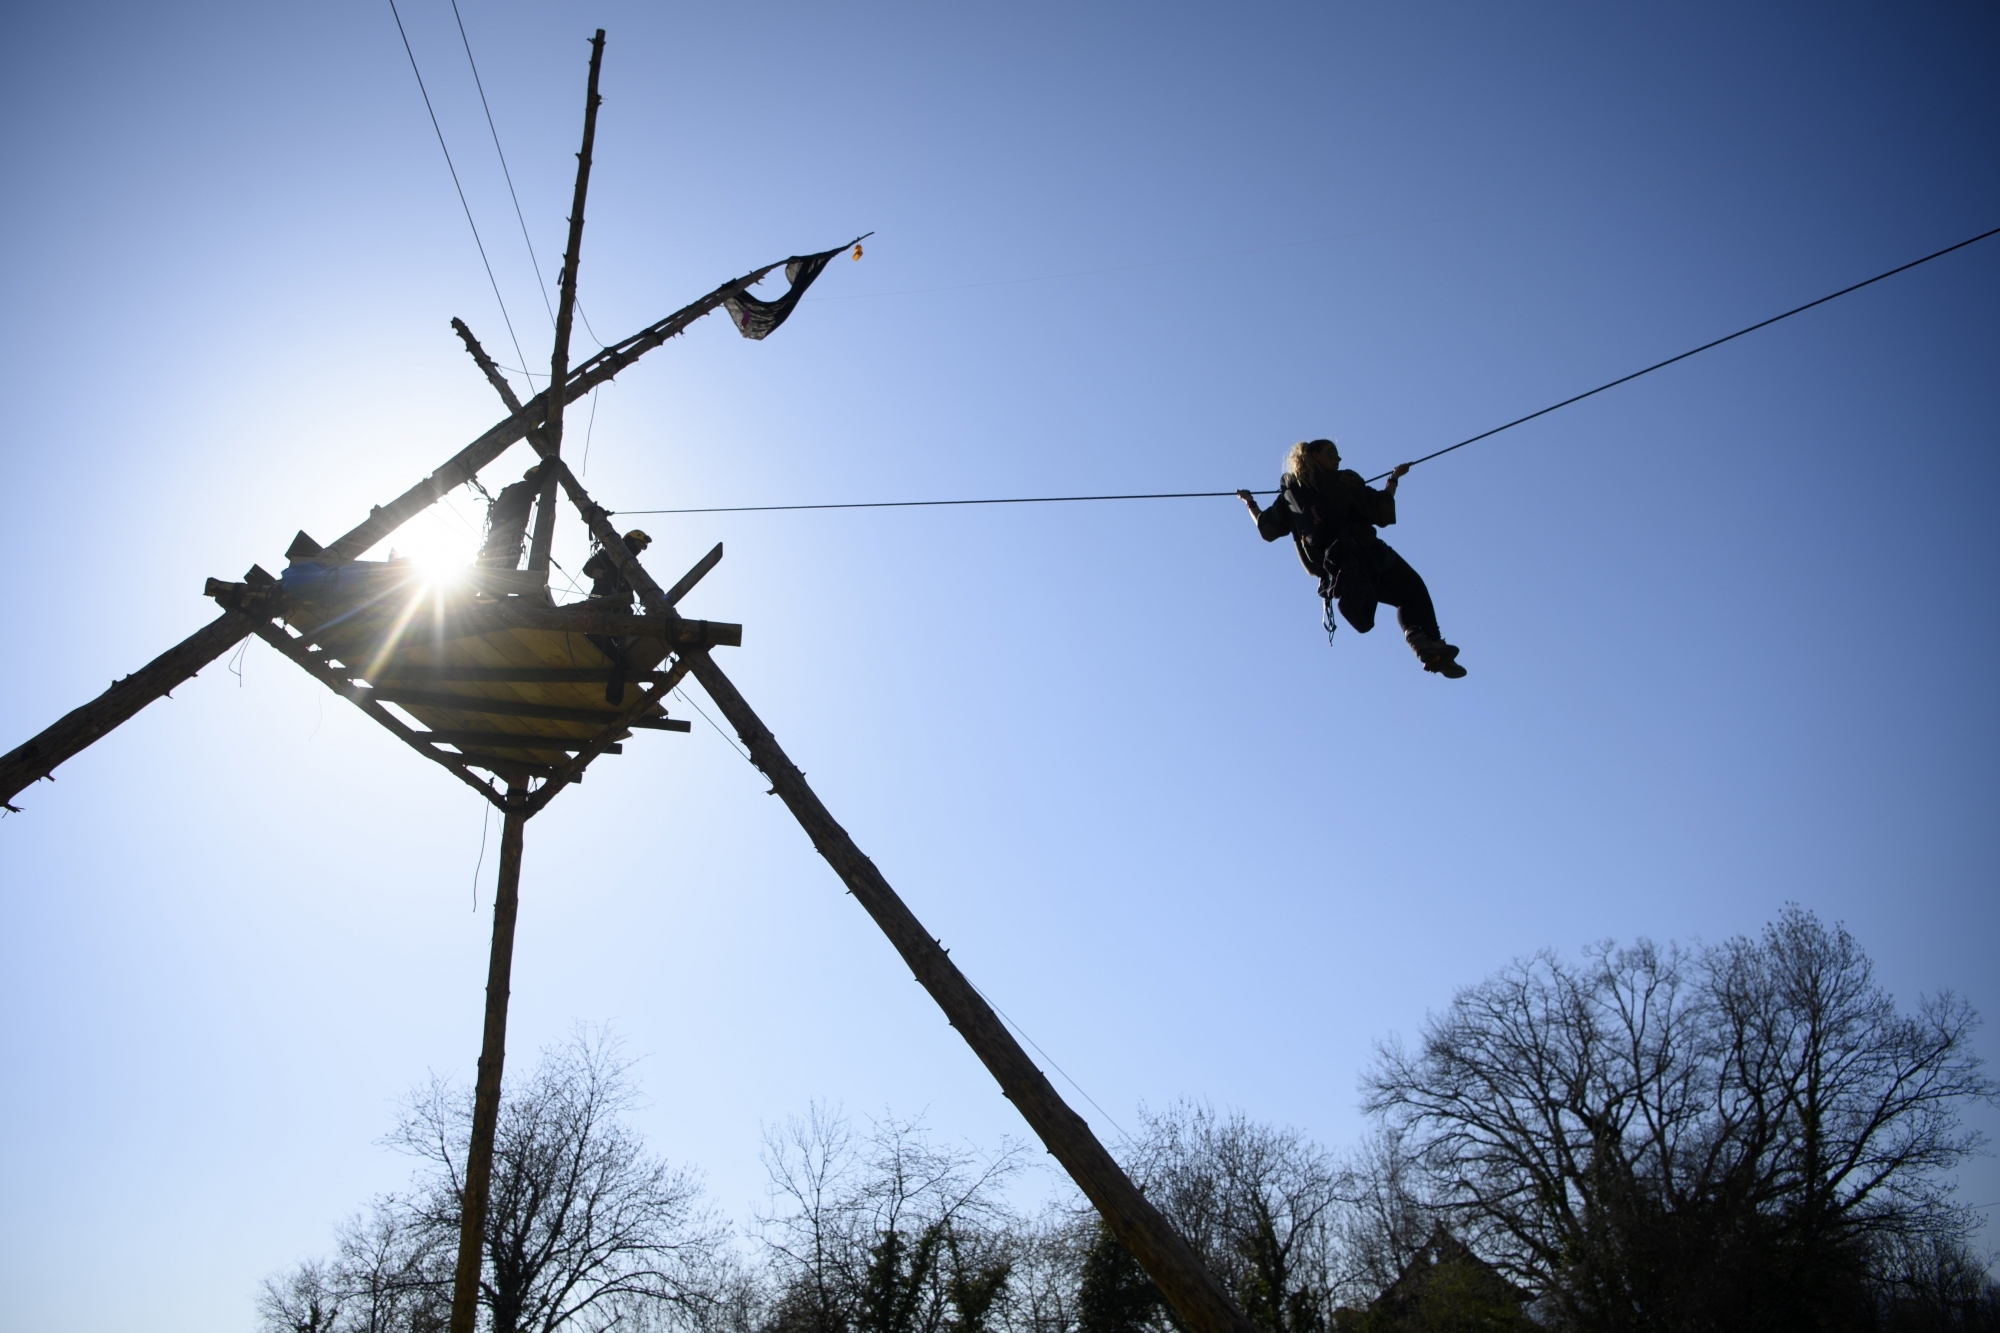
531,696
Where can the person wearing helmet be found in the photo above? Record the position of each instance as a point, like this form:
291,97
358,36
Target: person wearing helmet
610,589
607,581
507,521
1331,515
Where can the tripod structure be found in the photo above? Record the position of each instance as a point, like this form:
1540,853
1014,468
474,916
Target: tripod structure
508,693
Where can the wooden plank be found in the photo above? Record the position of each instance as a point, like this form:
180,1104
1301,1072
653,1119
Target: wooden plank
520,647
462,619
459,703
397,673
504,740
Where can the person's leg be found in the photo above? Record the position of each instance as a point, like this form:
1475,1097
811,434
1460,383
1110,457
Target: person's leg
1403,588
613,648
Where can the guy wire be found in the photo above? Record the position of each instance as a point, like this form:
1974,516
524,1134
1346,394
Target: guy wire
455,184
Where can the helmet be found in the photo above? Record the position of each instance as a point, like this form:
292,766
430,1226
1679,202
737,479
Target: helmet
637,540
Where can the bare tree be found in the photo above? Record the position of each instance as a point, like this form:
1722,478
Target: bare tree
887,1232
1385,1218
1256,1201
1666,1138
389,1274
394,1271
305,1300
1050,1289
584,1227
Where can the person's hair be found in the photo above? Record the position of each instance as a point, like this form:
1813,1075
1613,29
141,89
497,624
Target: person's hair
1313,460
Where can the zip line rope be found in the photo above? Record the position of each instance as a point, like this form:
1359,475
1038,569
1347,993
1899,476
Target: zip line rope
1661,365
1486,434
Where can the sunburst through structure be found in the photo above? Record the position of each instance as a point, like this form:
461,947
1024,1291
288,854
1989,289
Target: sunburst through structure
516,696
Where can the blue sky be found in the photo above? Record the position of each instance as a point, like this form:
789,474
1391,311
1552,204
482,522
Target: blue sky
1729,628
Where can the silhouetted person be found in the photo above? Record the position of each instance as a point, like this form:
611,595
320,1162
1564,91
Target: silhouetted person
507,521
1331,515
609,589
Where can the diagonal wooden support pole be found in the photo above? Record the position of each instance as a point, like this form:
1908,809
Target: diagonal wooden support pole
79,728
1174,1267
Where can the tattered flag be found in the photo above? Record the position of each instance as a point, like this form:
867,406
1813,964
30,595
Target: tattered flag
757,319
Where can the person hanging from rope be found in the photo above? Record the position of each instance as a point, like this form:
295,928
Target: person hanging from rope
507,521
610,590
1331,515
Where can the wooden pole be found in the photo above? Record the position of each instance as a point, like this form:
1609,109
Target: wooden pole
1167,1258
492,1056
552,428
35,759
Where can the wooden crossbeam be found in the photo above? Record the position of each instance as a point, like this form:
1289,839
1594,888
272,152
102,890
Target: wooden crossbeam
462,703
507,740
396,673
469,619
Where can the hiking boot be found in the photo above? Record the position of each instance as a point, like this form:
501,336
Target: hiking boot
1437,655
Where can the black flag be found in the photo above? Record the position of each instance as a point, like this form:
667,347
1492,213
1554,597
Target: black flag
755,318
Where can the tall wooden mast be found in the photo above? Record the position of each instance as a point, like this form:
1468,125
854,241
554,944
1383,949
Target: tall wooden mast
507,897
552,427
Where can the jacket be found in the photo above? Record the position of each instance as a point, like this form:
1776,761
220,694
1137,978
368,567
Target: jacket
1332,524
